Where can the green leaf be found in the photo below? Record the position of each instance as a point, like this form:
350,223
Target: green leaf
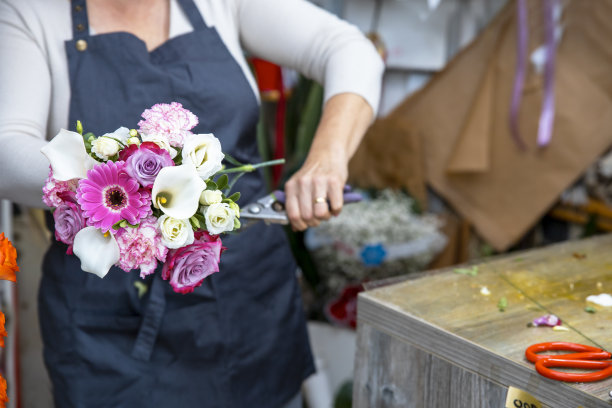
201,219
87,139
234,180
232,160
590,309
502,304
211,185
235,197
195,222
141,287
222,181
236,223
473,271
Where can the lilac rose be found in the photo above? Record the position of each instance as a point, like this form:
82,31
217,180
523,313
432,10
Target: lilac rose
144,163
188,266
68,221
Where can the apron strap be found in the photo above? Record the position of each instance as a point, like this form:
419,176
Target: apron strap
193,14
80,22
151,323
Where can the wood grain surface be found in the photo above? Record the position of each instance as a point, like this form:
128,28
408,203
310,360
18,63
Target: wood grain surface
444,314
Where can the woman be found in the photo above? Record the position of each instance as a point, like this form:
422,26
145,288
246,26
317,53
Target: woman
239,340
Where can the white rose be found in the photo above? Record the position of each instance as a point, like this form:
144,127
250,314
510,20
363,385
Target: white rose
204,151
162,142
219,218
105,147
209,197
175,233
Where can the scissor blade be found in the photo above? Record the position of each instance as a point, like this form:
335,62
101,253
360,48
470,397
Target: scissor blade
260,212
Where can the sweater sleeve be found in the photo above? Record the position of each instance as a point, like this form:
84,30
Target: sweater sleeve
299,35
25,90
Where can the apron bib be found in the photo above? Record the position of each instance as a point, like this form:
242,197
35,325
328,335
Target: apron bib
239,340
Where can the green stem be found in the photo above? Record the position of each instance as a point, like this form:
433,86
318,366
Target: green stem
247,168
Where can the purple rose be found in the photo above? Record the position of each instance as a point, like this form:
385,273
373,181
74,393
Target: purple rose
145,163
186,267
68,221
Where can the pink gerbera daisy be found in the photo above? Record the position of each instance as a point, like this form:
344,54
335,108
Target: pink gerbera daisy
109,195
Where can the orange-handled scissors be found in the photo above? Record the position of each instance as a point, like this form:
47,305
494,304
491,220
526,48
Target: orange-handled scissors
581,356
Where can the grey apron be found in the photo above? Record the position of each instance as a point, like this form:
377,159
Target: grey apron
239,340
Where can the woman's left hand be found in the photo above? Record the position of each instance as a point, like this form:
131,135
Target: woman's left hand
315,192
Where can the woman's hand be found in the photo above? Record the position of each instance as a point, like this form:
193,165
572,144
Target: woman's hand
315,192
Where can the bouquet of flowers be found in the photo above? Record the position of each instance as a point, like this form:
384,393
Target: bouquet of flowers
133,198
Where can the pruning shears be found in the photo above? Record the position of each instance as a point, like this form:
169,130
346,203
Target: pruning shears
271,208
580,356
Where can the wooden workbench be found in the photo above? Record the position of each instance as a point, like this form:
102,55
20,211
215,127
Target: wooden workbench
436,341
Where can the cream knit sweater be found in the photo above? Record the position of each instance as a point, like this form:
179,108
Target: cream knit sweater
35,89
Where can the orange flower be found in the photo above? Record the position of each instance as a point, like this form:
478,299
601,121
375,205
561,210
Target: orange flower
3,332
3,397
8,260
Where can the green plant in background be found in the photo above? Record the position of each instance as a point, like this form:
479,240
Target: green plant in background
304,109
344,396
303,112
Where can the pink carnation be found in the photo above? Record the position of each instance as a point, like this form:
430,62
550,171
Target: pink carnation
141,247
56,192
169,120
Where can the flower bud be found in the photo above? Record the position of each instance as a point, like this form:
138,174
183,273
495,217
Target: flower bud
209,197
236,208
133,141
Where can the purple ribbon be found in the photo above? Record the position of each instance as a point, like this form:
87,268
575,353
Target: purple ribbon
519,78
547,115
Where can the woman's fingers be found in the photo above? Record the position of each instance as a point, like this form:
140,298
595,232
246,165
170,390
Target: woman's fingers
306,201
335,196
311,200
320,200
292,206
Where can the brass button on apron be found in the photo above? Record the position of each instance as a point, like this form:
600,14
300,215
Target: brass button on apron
78,8
81,45
80,27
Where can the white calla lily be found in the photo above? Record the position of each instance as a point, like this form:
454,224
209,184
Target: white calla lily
97,251
177,190
122,134
68,157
